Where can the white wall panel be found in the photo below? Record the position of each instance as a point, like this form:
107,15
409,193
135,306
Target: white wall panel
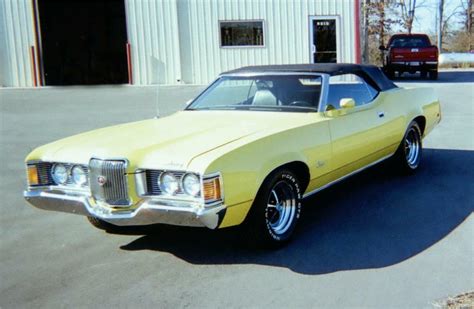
286,33
153,34
17,35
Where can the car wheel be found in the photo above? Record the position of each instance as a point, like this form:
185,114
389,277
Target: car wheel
390,74
101,224
423,74
275,211
409,152
433,75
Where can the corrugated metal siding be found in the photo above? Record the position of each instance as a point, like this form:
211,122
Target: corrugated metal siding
175,40
286,33
18,36
152,28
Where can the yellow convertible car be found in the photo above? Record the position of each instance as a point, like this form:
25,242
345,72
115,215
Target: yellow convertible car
246,151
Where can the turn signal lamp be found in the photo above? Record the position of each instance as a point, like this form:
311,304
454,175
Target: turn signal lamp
32,172
212,190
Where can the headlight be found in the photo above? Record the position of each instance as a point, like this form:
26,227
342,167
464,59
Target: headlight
191,184
59,174
79,176
168,183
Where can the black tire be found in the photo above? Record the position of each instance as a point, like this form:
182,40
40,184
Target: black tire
275,211
102,225
433,74
423,74
390,73
409,153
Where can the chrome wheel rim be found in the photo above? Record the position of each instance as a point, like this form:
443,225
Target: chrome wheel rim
281,207
412,147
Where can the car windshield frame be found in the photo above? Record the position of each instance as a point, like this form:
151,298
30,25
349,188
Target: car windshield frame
321,102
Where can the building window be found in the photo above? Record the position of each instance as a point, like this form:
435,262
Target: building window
241,33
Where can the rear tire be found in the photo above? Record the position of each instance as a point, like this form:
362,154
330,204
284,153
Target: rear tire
275,211
423,74
390,73
433,74
408,155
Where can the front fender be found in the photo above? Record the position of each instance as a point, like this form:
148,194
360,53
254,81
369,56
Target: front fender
245,166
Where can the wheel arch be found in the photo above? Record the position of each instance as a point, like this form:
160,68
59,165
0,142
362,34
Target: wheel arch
300,169
421,121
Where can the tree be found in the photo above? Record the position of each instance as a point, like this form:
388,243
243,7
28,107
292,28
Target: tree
407,10
451,37
377,25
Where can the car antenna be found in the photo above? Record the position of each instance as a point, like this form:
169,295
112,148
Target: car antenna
157,115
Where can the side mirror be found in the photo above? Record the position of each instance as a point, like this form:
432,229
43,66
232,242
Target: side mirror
382,48
347,103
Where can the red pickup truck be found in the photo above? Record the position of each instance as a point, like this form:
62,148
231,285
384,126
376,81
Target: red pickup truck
410,53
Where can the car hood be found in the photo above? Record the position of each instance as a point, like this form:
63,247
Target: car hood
170,142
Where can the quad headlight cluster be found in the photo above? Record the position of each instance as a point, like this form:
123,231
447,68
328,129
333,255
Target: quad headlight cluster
180,184
63,174
54,173
189,184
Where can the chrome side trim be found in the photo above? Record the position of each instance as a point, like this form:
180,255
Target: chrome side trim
346,176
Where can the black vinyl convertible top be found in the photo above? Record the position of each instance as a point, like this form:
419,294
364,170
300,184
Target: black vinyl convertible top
370,73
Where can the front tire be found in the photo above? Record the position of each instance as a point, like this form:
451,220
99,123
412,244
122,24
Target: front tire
408,155
101,224
275,211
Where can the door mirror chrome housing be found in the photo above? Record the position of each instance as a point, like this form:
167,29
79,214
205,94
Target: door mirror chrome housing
347,103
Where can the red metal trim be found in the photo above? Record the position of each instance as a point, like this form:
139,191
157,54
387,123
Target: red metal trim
37,41
129,63
357,31
33,66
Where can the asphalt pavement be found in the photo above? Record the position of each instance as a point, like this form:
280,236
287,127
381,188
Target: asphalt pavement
377,240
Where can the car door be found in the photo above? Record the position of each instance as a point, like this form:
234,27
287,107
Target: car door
357,134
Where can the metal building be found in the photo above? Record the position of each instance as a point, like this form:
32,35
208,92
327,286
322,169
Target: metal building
143,42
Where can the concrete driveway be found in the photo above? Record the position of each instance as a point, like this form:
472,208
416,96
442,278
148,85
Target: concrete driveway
377,240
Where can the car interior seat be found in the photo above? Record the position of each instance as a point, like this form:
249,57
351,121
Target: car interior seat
264,97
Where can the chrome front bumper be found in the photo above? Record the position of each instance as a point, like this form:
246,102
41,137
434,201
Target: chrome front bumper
149,211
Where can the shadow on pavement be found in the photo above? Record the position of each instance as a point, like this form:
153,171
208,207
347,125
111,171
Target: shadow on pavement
443,77
375,219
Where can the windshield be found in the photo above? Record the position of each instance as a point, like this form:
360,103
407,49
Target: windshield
293,93
410,41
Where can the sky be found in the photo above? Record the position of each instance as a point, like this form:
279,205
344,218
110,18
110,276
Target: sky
426,15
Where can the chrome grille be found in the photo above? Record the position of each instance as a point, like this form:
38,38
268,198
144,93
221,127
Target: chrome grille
152,186
114,189
44,173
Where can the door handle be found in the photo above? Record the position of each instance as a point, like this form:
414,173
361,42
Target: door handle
381,114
